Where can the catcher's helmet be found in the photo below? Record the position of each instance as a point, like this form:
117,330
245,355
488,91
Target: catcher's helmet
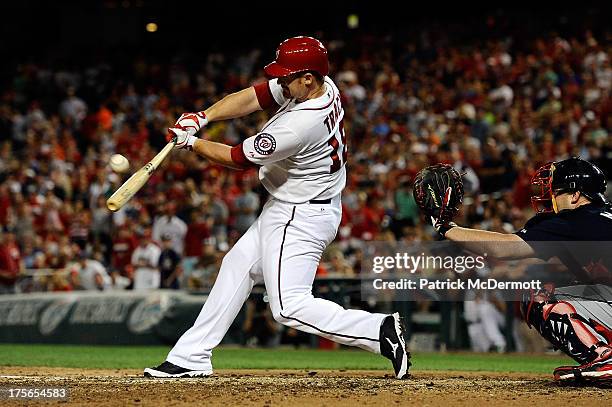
571,175
299,54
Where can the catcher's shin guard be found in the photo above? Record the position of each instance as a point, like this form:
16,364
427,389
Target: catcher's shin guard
559,323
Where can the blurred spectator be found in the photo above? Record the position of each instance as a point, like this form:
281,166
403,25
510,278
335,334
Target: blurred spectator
10,262
366,219
198,230
259,326
23,222
219,213
123,246
202,274
101,222
338,266
247,206
407,211
60,280
168,224
99,187
350,87
79,227
73,109
169,264
89,274
145,260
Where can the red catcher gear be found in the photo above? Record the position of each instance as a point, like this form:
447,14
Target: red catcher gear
542,194
299,54
570,175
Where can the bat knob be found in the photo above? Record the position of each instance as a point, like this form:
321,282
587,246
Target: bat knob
171,137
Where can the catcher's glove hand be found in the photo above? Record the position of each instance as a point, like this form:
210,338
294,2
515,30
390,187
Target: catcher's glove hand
438,190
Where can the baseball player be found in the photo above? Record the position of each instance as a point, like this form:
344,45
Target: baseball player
301,154
576,319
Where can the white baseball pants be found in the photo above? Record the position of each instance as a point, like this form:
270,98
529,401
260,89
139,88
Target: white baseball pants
283,248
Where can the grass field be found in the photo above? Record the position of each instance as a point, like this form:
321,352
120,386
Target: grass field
136,357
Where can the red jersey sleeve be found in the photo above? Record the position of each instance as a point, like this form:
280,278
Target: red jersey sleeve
264,95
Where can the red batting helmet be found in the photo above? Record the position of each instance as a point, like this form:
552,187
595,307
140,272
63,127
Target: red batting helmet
299,54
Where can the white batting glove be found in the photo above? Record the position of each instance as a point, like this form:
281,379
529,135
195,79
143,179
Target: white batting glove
185,129
183,140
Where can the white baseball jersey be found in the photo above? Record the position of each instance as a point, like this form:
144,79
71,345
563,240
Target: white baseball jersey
302,148
302,151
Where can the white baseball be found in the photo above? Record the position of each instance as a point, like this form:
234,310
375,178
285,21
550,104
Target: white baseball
119,163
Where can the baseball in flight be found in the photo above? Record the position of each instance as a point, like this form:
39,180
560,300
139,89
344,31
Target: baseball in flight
119,163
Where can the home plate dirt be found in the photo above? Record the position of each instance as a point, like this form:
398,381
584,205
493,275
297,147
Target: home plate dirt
312,388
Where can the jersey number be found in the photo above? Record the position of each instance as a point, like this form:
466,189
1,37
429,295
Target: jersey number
335,153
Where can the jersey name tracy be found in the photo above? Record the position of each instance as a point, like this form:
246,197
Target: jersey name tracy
332,118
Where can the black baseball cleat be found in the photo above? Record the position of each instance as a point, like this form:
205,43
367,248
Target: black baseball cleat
393,345
169,370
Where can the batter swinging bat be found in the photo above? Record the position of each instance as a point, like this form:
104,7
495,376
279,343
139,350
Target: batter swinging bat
126,191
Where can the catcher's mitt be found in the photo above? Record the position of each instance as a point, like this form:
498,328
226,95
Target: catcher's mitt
438,190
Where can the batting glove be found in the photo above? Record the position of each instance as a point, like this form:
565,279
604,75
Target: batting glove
190,123
184,141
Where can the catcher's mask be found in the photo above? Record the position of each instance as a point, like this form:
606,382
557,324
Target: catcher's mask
567,176
541,182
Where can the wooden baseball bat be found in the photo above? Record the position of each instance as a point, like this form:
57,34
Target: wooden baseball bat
126,191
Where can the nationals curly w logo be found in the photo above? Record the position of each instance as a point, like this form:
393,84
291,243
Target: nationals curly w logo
265,144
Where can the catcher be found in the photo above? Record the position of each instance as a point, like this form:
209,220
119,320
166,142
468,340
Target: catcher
571,207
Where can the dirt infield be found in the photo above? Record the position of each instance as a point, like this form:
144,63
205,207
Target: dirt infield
312,388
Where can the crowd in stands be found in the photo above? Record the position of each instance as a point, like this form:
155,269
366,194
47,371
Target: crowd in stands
494,109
